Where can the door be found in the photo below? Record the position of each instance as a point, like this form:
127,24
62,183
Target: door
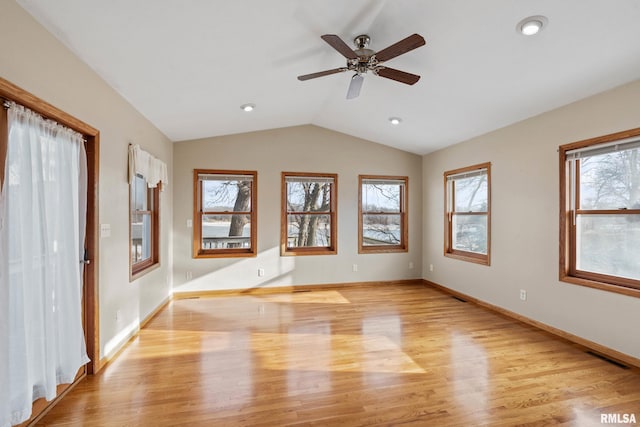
84,294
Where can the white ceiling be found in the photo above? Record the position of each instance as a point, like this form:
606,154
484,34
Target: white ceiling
188,65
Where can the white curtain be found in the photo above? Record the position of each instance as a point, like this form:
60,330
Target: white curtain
42,343
152,169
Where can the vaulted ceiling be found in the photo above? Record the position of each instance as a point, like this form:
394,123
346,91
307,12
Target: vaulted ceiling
189,65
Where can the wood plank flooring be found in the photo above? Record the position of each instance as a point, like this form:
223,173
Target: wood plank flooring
405,355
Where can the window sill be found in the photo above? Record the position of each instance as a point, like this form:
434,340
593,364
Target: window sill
624,290
308,251
476,259
139,274
381,249
225,254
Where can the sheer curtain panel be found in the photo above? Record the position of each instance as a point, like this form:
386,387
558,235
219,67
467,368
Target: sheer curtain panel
42,339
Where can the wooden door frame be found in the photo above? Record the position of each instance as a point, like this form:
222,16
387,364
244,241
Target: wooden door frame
11,92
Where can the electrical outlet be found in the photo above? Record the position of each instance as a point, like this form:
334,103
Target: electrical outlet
189,275
355,267
523,295
189,223
430,267
260,272
410,265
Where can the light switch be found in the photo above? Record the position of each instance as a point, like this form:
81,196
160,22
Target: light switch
105,230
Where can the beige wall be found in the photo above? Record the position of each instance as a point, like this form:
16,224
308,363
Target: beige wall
33,59
525,211
295,149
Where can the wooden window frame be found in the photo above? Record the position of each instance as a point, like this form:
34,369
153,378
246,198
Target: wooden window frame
139,269
332,249
198,251
449,213
568,231
4,139
403,246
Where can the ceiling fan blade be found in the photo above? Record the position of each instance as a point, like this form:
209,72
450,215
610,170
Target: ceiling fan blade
339,45
414,41
321,74
355,86
397,75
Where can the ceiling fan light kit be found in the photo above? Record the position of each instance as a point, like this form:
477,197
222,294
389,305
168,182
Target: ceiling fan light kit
362,60
355,85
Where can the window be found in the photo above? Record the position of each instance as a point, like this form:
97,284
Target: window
600,212
225,213
468,213
309,221
383,214
147,177
144,225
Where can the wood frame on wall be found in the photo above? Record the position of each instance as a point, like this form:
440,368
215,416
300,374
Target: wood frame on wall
198,251
403,246
449,251
567,238
332,249
91,309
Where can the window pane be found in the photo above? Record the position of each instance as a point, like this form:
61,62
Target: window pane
308,231
226,231
471,194
139,194
609,244
308,196
226,195
610,181
470,233
381,197
140,237
381,230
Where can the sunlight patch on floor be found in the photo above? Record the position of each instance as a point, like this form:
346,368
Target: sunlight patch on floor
315,352
171,343
311,297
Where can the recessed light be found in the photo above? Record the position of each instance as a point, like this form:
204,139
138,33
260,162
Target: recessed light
395,120
531,25
248,107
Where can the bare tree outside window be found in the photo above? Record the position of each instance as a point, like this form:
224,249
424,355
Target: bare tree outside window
600,212
608,230
225,214
467,234
383,225
309,213
470,230
226,201
611,180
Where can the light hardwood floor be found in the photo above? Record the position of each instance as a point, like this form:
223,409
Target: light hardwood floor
386,355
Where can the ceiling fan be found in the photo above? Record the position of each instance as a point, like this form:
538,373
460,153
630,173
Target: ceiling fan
361,60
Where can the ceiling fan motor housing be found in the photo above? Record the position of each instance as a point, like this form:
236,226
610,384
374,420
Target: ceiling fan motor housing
366,60
362,41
